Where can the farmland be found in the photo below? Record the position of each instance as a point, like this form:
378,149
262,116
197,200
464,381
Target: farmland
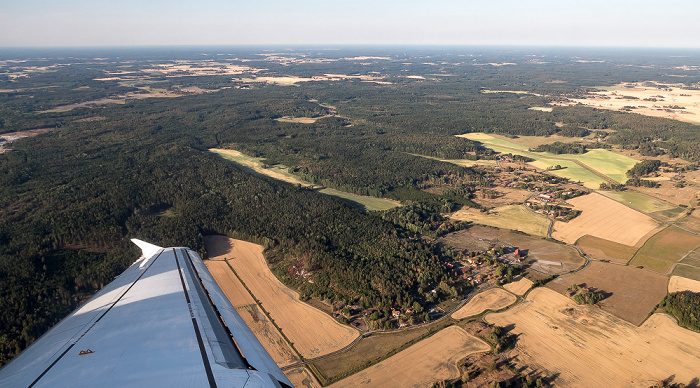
604,218
493,299
603,249
631,293
677,283
511,216
638,201
553,330
519,286
312,332
432,359
586,168
301,378
247,308
373,349
648,99
665,248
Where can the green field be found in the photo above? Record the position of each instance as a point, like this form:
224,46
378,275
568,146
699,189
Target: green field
281,173
639,201
602,249
515,217
687,272
362,202
665,248
600,161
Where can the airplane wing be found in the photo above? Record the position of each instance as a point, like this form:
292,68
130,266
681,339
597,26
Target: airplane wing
163,322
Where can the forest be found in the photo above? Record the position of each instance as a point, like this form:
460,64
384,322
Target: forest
71,197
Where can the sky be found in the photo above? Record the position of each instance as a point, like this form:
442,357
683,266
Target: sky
600,23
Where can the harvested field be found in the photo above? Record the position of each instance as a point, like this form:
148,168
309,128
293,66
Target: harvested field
373,349
648,100
312,332
519,287
301,377
603,249
632,293
604,218
509,217
678,283
587,347
665,248
422,364
493,299
257,321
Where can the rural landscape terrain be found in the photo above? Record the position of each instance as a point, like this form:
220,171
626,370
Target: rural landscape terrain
469,217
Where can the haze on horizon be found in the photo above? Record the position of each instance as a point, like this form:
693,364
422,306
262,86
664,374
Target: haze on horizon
601,23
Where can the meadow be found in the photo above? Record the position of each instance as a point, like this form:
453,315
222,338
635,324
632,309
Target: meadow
665,248
514,217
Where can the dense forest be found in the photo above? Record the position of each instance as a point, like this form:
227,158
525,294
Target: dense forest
685,306
71,197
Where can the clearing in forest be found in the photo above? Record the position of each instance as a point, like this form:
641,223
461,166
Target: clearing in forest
678,283
588,347
432,359
630,293
493,299
647,98
257,321
607,219
281,173
519,287
665,248
515,217
312,332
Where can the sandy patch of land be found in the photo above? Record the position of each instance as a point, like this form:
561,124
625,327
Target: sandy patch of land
422,364
604,218
257,321
301,377
493,299
300,120
312,332
587,347
658,100
631,293
541,108
678,283
519,287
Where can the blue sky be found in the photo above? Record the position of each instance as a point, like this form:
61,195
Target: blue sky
639,23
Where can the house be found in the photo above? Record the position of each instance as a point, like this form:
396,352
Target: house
516,253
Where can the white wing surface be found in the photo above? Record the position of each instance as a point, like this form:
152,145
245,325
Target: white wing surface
164,322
